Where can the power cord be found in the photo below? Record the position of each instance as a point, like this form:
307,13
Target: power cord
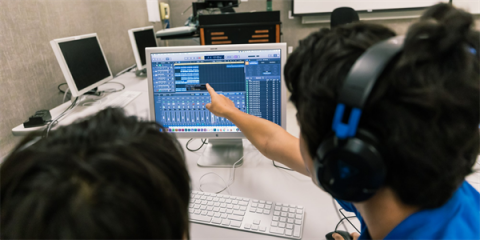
59,89
338,214
204,141
342,221
231,181
113,90
284,168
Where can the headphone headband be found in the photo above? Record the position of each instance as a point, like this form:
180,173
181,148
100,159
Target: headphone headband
359,83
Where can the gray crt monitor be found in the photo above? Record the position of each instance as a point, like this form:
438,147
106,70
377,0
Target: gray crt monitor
248,74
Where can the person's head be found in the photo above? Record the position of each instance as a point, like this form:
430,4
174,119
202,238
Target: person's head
424,109
109,176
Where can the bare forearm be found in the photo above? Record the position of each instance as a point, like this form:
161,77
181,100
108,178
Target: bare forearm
270,139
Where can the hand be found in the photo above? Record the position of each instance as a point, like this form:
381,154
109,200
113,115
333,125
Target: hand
220,105
353,235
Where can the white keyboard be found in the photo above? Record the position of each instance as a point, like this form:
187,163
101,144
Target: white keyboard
252,215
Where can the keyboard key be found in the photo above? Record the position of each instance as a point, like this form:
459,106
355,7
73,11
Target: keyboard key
296,231
223,210
203,197
254,227
239,213
291,215
256,221
290,220
203,207
243,208
209,208
299,211
197,211
217,215
298,216
292,210
236,207
216,209
225,222
210,203
228,201
274,224
267,212
262,228
243,203
284,209
210,214
283,214
268,207
282,225
229,211
235,224
277,230
282,219
235,217
229,205
261,201
298,222
197,206
190,210
245,199
253,210
204,212
288,232
278,208
261,205
224,215
254,205
259,210
222,200
247,226
276,213
268,202
223,205
255,200
209,198
216,204
235,202
290,226
200,218
204,202
275,218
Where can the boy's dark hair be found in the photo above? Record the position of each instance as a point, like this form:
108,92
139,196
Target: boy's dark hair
424,108
109,176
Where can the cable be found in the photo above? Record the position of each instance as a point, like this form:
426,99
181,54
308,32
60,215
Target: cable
53,122
342,221
125,70
65,95
338,214
275,165
59,89
232,177
204,141
340,210
114,90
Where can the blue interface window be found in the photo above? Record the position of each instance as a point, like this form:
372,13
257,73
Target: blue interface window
251,79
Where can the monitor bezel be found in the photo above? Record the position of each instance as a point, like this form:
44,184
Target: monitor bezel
136,54
215,48
66,71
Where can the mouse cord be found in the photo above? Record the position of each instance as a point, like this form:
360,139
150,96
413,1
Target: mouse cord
345,217
338,214
342,221
230,182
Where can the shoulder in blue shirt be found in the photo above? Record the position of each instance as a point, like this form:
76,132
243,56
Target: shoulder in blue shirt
459,218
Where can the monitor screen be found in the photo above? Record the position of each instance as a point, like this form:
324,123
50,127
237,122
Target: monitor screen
85,61
251,79
144,39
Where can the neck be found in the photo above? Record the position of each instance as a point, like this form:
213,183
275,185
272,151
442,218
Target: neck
383,212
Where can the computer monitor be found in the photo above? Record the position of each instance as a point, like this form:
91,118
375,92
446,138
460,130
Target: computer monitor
82,61
141,38
249,74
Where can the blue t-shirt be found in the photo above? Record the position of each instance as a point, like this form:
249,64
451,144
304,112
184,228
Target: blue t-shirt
459,218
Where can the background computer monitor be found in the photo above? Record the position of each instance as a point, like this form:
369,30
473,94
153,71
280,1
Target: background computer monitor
82,61
141,38
249,74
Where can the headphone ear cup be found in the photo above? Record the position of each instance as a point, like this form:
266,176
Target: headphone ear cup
350,169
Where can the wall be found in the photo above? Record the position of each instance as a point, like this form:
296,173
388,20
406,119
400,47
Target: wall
29,71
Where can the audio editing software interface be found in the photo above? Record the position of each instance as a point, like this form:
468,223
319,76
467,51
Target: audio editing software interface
251,79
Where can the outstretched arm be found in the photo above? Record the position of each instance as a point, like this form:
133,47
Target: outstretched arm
269,138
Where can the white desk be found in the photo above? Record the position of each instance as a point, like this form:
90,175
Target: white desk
257,178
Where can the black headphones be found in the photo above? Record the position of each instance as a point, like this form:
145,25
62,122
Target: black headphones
348,164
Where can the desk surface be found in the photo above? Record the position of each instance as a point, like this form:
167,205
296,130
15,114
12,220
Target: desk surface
257,178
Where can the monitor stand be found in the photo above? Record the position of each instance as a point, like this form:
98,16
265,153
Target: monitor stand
141,73
222,153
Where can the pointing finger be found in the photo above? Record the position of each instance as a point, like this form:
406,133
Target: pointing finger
210,90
